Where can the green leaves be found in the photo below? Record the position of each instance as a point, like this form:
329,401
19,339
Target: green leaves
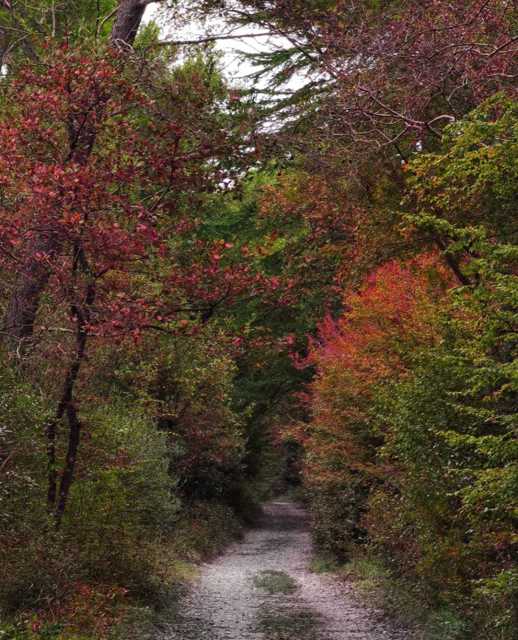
473,180
443,463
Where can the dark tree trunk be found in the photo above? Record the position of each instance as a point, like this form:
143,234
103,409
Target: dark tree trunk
52,472
127,22
82,314
452,262
33,276
74,433
32,280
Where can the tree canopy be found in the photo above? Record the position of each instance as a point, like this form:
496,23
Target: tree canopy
213,293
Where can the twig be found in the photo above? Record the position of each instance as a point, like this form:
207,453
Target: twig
226,36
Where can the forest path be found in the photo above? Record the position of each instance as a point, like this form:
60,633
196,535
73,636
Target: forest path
262,589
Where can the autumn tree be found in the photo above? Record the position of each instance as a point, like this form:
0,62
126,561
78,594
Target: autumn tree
391,73
410,444
35,273
114,220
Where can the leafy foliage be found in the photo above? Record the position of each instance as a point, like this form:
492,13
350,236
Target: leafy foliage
210,293
412,444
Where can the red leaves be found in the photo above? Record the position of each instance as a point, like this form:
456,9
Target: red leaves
83,162
387,320
392,307
215,277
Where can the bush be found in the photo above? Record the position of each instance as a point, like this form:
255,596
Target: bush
336,516
123,497
187,384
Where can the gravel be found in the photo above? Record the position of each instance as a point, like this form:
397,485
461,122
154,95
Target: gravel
262,588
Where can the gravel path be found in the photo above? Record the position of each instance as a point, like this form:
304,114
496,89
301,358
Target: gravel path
262,589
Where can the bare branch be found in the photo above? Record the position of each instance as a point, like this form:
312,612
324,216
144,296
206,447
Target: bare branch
227,36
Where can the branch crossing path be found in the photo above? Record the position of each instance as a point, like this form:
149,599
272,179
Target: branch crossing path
262,589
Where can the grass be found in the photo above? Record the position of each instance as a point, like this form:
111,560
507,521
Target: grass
275,582
324,564
291,623
401,600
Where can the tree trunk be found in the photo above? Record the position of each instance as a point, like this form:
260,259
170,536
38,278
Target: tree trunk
81,313
74,433
31,281
127,22
33,276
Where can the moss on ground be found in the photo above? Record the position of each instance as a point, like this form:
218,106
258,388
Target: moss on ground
275,582
288,623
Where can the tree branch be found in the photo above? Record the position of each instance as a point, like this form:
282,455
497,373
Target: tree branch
225,36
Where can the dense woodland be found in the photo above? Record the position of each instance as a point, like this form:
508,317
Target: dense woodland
214,293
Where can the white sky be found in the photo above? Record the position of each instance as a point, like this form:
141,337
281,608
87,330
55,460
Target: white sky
236,67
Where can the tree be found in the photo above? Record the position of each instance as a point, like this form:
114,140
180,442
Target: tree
127,21
386,74
411,442
33,276
386,321
125,260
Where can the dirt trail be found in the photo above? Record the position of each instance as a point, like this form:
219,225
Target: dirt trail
262,589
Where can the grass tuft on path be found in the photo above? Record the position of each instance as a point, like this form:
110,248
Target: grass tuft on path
275,582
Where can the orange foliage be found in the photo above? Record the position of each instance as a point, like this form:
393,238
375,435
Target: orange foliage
386,320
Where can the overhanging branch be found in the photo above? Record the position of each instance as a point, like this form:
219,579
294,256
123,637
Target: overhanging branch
208,39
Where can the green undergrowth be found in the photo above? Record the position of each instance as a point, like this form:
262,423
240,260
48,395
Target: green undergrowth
287,623
202,530
205,529
404,601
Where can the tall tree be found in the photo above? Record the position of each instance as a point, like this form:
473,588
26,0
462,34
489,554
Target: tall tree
34,273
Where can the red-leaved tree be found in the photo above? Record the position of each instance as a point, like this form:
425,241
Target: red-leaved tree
114,224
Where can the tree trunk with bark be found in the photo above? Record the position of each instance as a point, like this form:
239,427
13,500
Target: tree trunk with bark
127,22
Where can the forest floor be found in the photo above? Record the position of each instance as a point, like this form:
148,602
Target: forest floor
262,588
